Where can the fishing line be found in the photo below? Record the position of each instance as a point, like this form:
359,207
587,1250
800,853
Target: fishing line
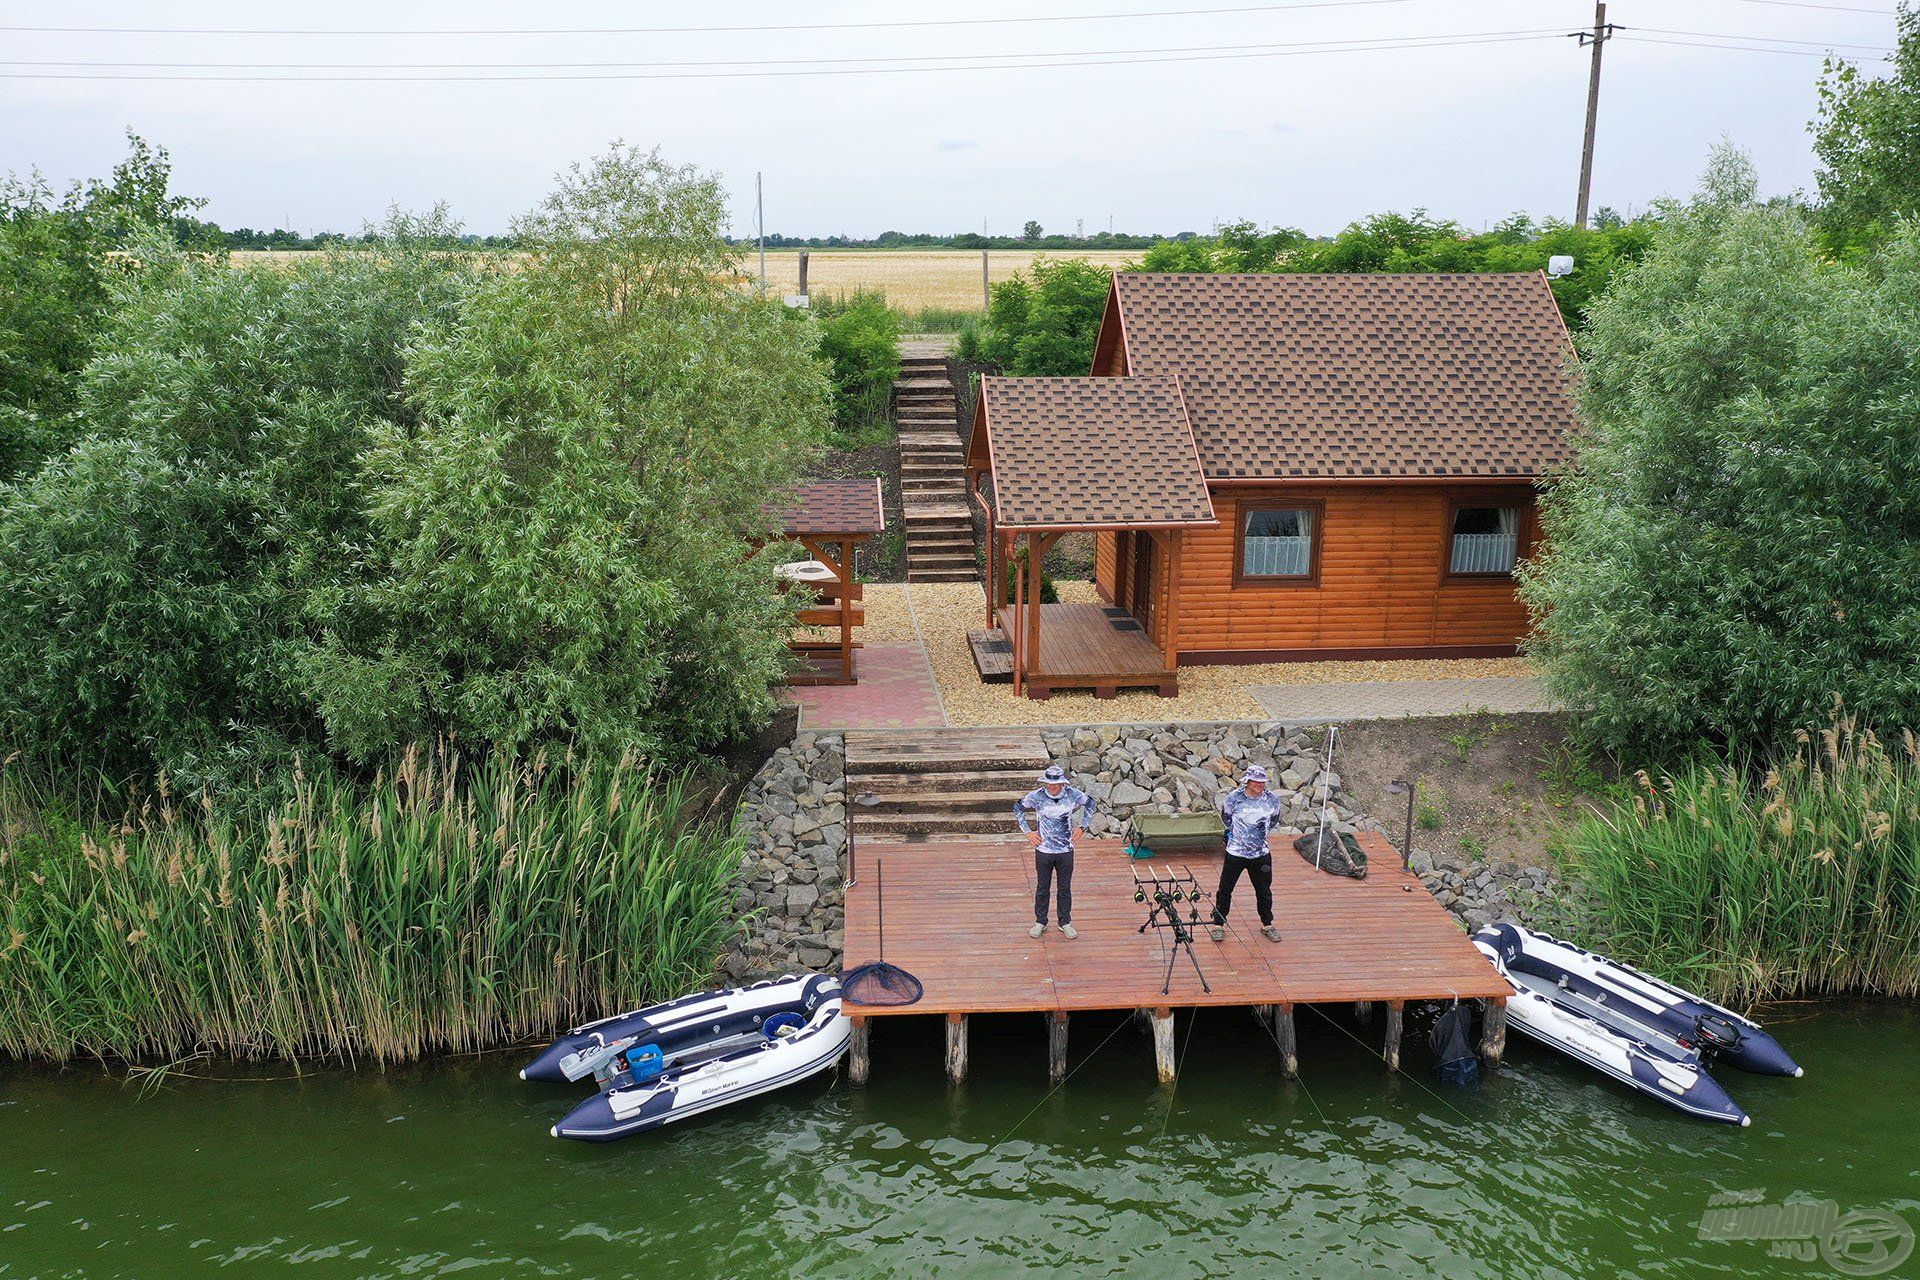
1063,1083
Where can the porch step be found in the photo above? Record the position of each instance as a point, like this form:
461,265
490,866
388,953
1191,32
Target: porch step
875,751
878,826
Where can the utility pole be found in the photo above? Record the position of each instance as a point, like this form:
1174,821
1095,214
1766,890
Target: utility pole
760,226
1601,33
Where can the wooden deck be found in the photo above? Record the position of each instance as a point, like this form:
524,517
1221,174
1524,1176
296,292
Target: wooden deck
1089,646
957,917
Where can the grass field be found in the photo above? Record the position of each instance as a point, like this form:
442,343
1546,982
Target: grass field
912,279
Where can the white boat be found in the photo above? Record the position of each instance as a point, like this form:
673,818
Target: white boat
667,1062
1562,997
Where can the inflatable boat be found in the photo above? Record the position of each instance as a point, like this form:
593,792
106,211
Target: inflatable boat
661,1064
1579,1003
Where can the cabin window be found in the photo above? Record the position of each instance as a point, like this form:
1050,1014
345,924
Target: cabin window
1277,542
1486,540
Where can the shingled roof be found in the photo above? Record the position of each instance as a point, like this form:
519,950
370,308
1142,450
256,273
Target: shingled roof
832,506
1291,376
1091,451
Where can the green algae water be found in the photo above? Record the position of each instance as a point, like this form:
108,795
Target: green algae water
1542,1171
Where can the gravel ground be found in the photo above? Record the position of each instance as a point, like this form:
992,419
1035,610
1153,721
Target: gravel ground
889,618
947,610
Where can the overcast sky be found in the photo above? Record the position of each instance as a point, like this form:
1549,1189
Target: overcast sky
1470,131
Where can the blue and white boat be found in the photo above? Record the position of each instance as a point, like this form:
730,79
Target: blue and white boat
670,1061
1647,1034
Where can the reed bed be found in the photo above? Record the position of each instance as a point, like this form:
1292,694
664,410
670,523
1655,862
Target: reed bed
1805,881
449,905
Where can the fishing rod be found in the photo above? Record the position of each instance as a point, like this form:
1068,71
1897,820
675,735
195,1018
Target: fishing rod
1164,892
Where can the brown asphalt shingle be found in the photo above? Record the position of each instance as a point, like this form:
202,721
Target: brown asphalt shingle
1092,451
832,506
1292,376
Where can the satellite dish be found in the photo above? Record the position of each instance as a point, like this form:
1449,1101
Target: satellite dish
1560,264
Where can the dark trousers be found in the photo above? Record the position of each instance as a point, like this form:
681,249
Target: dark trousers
1045,867
1260,871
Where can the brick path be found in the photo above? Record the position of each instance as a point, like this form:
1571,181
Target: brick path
896,691
1385,699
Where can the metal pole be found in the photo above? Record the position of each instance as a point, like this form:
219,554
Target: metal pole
1406,848
1597,38
760,221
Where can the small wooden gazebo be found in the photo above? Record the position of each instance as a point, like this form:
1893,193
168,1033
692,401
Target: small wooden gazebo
831,518
1069,455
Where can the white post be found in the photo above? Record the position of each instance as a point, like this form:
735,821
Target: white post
760,227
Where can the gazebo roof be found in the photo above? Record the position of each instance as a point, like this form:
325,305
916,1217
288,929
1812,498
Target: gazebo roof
1083,453
822,507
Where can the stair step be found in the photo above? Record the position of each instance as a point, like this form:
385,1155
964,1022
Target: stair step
936,803
940,575
946,782
877,826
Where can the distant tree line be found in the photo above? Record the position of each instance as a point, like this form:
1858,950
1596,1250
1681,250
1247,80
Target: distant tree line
1030,238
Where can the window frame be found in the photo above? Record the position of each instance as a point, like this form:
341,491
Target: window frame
1523,534
1245,506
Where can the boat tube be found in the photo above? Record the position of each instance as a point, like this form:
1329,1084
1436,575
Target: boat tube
1655,1066
1638,1003
665,1063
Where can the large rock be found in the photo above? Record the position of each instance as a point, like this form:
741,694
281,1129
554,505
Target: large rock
1126,795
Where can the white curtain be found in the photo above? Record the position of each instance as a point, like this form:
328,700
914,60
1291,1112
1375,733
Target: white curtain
1279,554
1493,552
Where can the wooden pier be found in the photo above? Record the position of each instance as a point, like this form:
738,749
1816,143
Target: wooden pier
957,916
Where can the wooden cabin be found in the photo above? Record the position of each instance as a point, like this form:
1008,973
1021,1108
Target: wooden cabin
1280,467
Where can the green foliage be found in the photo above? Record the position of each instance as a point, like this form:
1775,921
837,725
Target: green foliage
1045,323
559,549
158,571
1806,882
1867,139
449,906
860,338
1419,242
58,262
1740,540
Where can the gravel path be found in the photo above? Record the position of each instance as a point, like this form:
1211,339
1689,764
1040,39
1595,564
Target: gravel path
947,610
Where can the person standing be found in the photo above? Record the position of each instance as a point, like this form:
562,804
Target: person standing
1053,805
1249,811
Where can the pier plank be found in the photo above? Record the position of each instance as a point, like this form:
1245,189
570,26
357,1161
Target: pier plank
957,916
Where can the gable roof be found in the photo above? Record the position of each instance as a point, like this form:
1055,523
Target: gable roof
1298,376
1090,452
832,506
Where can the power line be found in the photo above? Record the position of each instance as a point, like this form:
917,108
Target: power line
608,31
1736,48
1357,43
1830,8
1719,35
1406,44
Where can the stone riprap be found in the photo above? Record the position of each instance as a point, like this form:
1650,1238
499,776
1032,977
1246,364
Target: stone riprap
1180,768
790,892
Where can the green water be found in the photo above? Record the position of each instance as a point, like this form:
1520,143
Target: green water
1543,1171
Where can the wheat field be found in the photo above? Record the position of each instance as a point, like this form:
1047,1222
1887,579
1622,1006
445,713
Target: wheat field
912,279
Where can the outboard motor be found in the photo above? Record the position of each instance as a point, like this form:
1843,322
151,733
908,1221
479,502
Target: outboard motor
1715,1034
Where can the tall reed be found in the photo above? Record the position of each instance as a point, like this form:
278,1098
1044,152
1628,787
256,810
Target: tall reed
1806,881
448,905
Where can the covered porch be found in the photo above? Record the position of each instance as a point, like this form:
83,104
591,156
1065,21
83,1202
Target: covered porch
1047,445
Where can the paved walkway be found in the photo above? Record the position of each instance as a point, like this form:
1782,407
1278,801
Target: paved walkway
1387,699
896,691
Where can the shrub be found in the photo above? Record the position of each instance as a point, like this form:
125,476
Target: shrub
1806,881
450,905
1045,323
860,337
1739,540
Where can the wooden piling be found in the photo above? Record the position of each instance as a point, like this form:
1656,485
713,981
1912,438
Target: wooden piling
1493,1040
956,1048
858,1064
1395,1011
1363,1010
1283,1035
1056,1047
1163,1044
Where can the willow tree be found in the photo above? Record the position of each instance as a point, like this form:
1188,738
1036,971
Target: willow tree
1739,542
559,548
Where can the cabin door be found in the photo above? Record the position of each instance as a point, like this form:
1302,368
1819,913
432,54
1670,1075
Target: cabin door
1139,598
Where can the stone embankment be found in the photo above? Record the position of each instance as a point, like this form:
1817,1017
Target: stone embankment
794,817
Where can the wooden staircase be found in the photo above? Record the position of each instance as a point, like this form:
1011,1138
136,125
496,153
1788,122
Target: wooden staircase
933,784
933,487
